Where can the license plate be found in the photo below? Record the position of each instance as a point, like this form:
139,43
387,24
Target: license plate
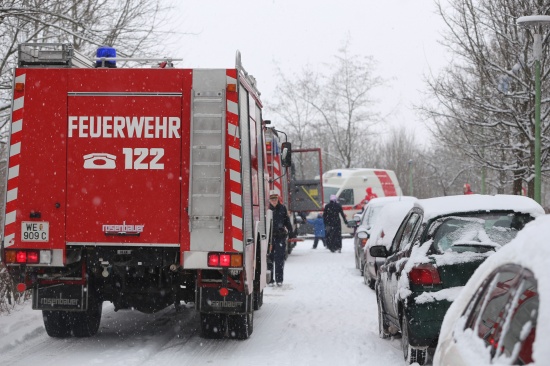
37,231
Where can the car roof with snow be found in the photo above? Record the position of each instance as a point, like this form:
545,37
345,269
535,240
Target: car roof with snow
531,250
448,205
389,220
383,200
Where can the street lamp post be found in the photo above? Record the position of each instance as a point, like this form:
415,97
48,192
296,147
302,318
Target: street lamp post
410,178
534,22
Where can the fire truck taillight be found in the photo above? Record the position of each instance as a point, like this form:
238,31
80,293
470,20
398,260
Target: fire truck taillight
28,256
225,260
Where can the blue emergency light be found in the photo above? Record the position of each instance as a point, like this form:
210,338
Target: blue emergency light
105,51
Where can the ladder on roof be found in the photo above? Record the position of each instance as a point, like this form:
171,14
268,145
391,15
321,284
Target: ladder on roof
207,158
51,55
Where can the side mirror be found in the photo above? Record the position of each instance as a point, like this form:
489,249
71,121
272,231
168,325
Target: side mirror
299,219
352,223
357,217
286,154
378,251
363,235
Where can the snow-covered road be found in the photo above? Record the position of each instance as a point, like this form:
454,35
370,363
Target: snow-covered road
322,315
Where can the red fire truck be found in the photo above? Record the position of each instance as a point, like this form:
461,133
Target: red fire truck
144,187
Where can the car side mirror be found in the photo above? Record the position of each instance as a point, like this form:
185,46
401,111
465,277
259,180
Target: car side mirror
352,223
286,154
378,251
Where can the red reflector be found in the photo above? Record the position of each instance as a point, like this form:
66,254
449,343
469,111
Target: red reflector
213,260
21,287
225,260
21,257
224,292
32,256
424,274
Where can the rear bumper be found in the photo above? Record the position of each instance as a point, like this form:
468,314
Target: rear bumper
425,321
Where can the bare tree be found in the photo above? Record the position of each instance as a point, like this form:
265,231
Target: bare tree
334,106
485,98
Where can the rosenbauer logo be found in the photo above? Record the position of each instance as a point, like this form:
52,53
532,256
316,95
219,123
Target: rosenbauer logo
123,229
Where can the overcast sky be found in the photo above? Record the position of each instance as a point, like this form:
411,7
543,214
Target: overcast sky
401,35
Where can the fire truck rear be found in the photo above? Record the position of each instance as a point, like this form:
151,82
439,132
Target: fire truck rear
144,187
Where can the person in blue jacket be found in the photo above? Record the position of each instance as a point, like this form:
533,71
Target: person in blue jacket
318,229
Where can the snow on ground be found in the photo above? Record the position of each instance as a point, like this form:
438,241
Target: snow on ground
322,315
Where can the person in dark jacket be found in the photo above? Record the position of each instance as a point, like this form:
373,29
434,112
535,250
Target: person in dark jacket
318,230
281,227
333,228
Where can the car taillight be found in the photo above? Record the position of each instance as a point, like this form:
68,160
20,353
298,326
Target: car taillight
225,260
424,274
364,242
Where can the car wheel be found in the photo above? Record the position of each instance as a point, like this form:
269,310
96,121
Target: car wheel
58,323
213,325
411,354
382,324
86,323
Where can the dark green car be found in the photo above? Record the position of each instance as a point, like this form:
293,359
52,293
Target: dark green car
438,246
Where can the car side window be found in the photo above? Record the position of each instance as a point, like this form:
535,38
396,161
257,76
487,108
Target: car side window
409,231
503,313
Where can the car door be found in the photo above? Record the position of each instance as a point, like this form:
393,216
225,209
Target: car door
395,262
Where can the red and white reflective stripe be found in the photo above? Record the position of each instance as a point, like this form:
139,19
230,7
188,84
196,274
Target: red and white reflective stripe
14,160
387,184
277,183
234,221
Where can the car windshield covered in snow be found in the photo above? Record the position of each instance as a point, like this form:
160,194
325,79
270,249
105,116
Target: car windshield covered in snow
478,233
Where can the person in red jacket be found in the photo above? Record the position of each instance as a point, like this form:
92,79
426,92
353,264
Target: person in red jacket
467,189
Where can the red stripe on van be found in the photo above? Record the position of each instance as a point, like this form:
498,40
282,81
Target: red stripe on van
387,184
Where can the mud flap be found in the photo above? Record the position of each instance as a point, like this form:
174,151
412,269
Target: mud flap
60,297
212,302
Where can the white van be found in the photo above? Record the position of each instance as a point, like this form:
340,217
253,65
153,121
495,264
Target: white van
350,186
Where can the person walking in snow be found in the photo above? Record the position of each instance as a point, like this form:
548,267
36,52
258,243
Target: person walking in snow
318,230
333,227
467,189
281,227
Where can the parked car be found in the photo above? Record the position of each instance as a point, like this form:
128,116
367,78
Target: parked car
503,313
366,221
437,248
390,217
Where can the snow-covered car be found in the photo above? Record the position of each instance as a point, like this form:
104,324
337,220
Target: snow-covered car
502,316
390,217
437,248
366,223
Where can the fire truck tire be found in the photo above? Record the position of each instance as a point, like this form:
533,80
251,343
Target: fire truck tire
258,300
86,323
57,323
240,326
212,325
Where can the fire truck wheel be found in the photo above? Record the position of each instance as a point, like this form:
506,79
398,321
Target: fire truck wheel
86,323
212,325
258,300
57,323
240,326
